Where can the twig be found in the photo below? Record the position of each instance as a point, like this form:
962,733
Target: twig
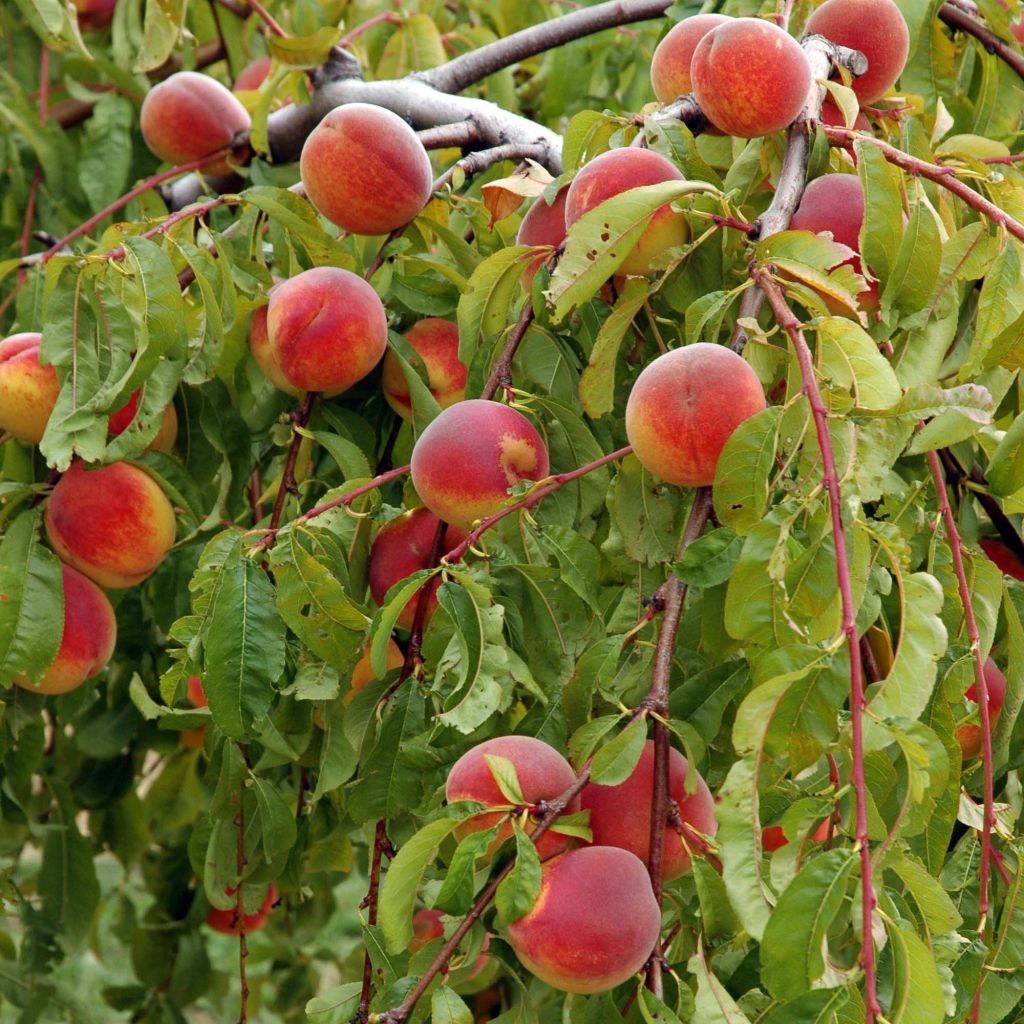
199,211
389,17
501,375
957,18
786,319
381,845
541,490
287,485
267,18
240,862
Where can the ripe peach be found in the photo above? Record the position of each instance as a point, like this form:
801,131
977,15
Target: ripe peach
253,75
832,115
194,690
543,775
750,77
621,815
366,170
773,838
436,341
835,203
363,672
617,171
327,329
1004,558
114,523
683,407
226,921
259,345
28,390
970,735
403,546
670,65
95,13
165,436
90,633
877,29
188,116
594,924
542,225
464,463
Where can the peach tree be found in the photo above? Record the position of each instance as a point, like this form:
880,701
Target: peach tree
512,512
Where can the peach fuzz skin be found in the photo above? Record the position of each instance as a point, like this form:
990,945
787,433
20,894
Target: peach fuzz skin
366,170
594,924
542,225
877,29
403,546
114,524
750,77
543,775
436,342
90,633
253,75
226,922
363,672
188,116
617,171
28,390
670,65
470,455
259,346
621,815
165,437
683,408
970,735
327,329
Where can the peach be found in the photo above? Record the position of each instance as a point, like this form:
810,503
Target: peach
226,921
877,29
683,408
436,341
1003,557
87,643
366,170
253,75
617,171
595,922
428,925
970,735
327,329
259,345
403,546
165,436
750,77
113,523
363,672
832,115
189,116
194,691
542,225
470,455
835,203
773,838
621,815
28,390
543,775
95,13
670,65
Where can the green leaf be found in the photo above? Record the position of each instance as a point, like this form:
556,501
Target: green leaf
654,1011
459,886
822,1006
743,471
160,33
336,1006
304,51
849,356
485,307
67,880
1000,303
913,277
937,909
710,559
882,230
503,771
415,46
791,949
714,1005
447,1008
615,761
276,820
402,880
716,913
917,996
518,892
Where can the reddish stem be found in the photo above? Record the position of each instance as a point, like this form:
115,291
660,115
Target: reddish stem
784,315
957,18
200,210
381,845
385,17
267,18
501,375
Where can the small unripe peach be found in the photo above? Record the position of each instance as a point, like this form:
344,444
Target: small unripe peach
971,736
670,65
259,345
750,77
87,643
165,437
542,225
28,390
113,523
226,921
617,171
436,341
253,75
366,170
683,408
327,329
542,772
189,116
621,815
470,455
594,924
403,545
877,29
363,672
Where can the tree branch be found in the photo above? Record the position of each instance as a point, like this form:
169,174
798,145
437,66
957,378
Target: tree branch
961,21
786,319
381,845
267,18
501,375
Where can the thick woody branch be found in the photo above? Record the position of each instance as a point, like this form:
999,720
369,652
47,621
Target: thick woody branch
959,19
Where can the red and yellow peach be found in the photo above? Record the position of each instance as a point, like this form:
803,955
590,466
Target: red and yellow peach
970,735
436,341
28,390
259,346
543,224
226,921
363,672
670,65
165,437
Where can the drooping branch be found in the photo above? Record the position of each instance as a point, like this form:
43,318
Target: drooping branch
956,17
789,323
